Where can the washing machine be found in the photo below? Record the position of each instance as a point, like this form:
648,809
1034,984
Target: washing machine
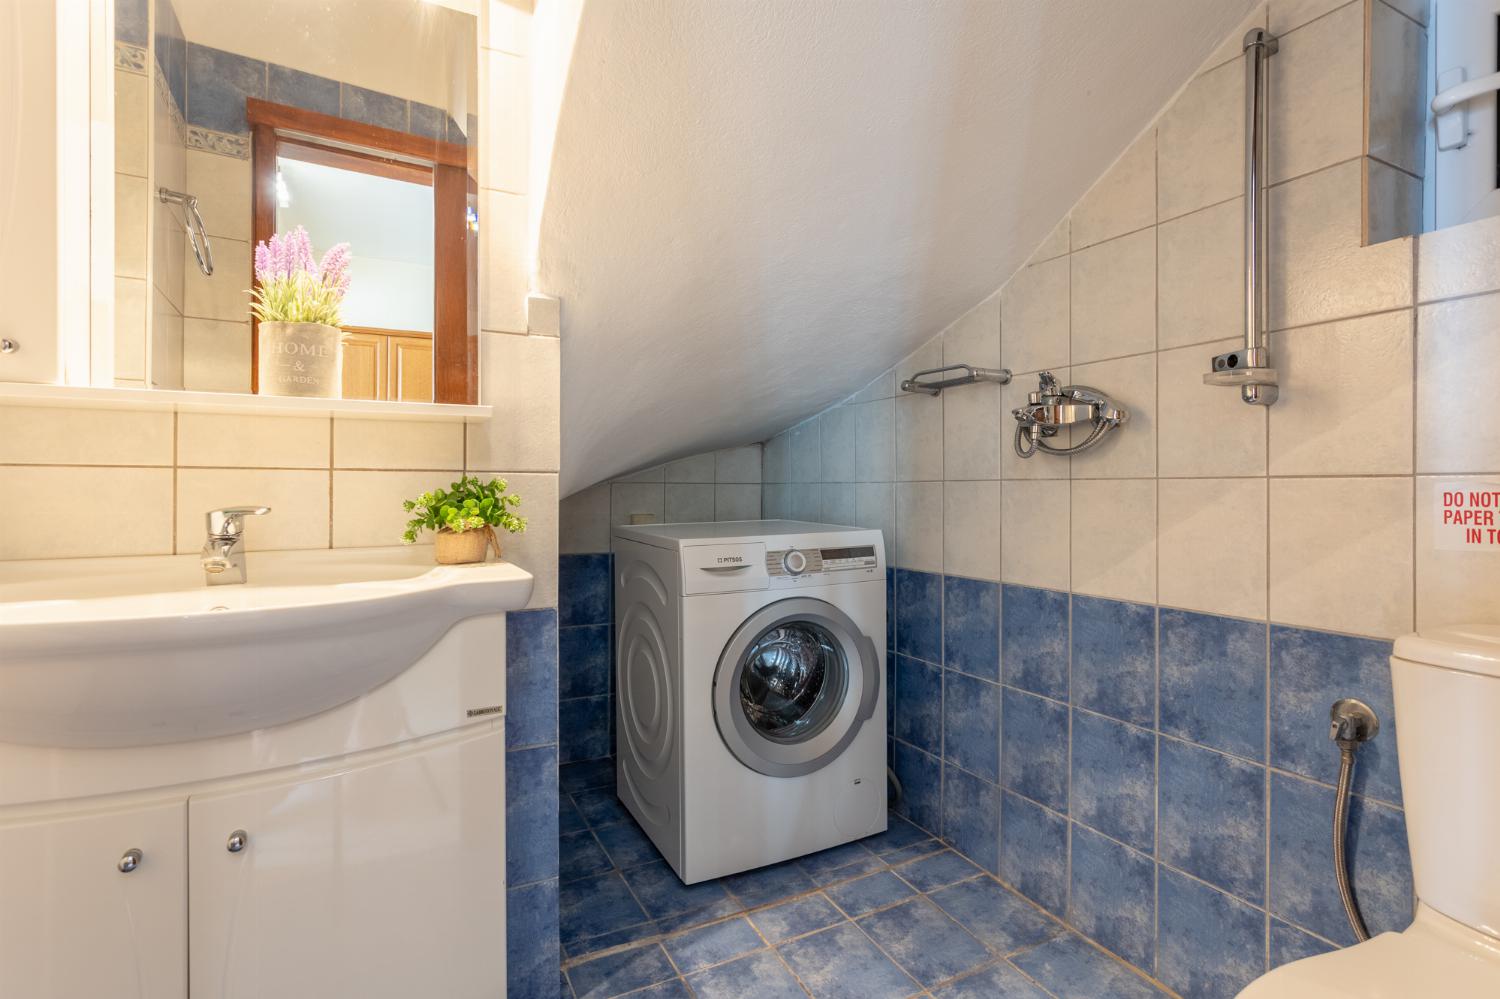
750,683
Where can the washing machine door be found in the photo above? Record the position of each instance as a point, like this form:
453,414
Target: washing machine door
793,687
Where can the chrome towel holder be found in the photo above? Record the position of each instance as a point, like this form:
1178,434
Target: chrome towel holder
971,374
193,223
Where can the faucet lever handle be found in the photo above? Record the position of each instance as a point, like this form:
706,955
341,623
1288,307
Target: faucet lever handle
230,521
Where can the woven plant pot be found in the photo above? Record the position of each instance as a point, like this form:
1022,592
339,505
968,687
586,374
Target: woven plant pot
301,359
450,548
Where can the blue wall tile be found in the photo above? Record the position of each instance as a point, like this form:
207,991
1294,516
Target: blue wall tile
1213,818
131,21
1303,890
1114,659
531,677
971,626
1309,671
971,724
1113,896
217,84
890,608
584,590
1034,640
1213,681
999,917
171,51
531,845
1114,779
1067,966
1210,945
583,724
919,704
302,90
531,950
583,660
1034,852
921,779
919,615
373,108
1290,944
1034,754
971,817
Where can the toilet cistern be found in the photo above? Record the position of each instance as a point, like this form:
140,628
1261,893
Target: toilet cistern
224,551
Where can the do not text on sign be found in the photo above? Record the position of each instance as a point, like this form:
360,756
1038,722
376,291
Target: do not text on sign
1467,516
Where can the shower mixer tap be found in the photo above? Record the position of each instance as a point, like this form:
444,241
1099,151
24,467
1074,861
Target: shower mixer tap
1054,406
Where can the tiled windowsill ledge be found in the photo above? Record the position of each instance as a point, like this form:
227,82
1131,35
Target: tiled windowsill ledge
171,400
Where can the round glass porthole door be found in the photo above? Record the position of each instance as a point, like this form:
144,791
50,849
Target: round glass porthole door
793,686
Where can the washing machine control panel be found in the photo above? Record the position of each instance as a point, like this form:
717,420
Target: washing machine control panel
805,561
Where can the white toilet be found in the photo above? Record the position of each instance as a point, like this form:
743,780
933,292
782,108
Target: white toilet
1447,694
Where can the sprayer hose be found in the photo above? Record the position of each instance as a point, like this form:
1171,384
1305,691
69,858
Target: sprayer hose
1340,861
1095,437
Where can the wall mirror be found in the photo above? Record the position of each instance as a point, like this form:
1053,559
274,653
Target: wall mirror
295,198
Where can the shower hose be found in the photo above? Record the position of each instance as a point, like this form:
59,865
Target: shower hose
1340,822
1025,450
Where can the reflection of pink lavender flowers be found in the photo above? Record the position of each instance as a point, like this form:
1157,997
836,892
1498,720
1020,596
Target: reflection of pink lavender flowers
294,287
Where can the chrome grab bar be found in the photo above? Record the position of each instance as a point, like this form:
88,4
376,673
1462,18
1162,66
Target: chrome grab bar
193,223
970,375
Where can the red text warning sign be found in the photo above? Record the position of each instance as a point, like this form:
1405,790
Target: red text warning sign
1468,517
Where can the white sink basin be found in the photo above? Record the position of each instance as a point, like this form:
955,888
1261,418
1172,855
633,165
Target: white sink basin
136,651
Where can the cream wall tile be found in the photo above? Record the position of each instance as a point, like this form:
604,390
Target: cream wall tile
584,527
1287,15
919,519
919,437
1232,49
222,186
132,92
840,503
1460,260
504,264
776,458
1453,587
219,440
1129,451
1393,201
1201,279
1114,538
1034,532
698,468
631,498
140,512
1055,244
971,529
1205,430
298,502
875,441
130,328
519,378
223,296
1458,363
929,355
1397,83
1034,317
1346,398
507,104
805,458
506,25
876,508
132,209
397,444
1038,466
689,503
738,464
805,501
1114,298
165,358
974,338
737,501
1213,545
838,434
215,356
1200,143
883,387
535,549
1417,10
1317,269
367,505
1317,95
1121,201
775,500
543,315
52,435
974,431
1341,554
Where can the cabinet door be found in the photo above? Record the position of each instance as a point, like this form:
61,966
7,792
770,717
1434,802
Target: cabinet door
410,369
364,365
382,881
73,925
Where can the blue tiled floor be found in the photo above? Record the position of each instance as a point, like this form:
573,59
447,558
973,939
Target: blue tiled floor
896,915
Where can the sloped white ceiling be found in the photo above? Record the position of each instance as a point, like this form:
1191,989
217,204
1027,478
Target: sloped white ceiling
756,206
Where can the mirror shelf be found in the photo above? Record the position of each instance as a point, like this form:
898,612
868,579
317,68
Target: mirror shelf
171,400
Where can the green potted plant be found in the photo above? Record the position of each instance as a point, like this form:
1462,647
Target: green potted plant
463,519
296,302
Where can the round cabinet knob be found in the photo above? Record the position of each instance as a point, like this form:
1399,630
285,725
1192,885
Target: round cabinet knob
237,841
794,562
130,861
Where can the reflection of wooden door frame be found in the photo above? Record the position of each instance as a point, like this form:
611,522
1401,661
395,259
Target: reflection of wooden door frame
384,152
388,367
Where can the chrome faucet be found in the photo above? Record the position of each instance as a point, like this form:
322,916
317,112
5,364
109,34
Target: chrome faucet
224,552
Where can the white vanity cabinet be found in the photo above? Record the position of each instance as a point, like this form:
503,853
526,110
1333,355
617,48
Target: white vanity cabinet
95,904
385,880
